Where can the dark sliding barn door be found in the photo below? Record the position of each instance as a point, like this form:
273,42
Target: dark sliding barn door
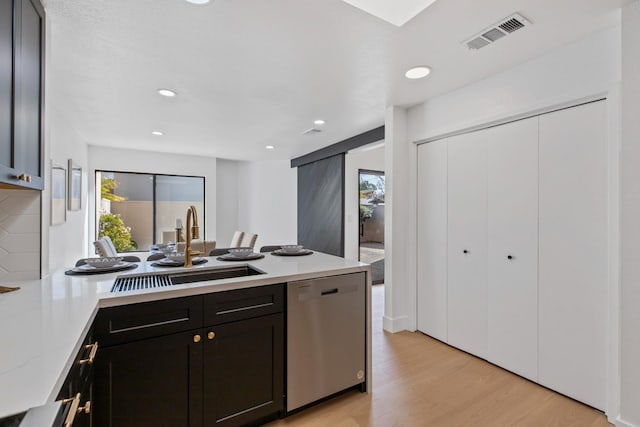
321,205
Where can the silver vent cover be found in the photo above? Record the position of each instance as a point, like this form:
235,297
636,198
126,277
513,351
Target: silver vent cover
503,28
135,283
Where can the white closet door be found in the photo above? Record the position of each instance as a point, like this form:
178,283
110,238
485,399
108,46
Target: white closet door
512,191
432,239
467,250
573,252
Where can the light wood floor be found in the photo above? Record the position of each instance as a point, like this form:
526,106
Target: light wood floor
419,381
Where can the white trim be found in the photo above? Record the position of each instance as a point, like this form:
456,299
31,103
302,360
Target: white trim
619,422
614,118
395,324
528,113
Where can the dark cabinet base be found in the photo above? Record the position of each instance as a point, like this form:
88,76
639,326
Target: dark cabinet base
152,382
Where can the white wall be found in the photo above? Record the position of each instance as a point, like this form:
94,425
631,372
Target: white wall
588,67
267,201
583,70
630,227
63,244
227,204
114,159
400,224
363,158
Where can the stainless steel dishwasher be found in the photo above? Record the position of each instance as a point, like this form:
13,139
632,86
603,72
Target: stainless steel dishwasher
325,337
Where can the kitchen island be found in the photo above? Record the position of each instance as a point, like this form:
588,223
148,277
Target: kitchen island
43,325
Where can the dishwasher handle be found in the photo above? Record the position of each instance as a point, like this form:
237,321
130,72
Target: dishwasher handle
329,291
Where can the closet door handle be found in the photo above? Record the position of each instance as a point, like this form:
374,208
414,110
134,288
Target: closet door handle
465,251
509,256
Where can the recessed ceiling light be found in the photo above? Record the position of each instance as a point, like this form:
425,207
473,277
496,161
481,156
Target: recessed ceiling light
157,133
269,147
418,72
198,1
319,122
167,92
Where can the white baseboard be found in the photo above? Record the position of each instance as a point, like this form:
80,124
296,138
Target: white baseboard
622,423
396,324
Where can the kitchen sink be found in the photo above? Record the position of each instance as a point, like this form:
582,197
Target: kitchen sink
161,280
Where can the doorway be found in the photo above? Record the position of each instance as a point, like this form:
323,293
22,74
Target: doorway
371,222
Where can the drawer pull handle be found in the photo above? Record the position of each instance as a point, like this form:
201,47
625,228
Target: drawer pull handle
86,409
71,415
250,307
211,335
197,338
92,354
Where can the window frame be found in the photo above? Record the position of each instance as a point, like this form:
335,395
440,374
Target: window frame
154,176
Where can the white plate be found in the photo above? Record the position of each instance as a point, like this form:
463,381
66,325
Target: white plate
118,266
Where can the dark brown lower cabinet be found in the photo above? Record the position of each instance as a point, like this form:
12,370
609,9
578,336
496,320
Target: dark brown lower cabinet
243,371
153,382
228,374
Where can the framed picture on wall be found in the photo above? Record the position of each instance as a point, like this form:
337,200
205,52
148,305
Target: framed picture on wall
58,194
75,186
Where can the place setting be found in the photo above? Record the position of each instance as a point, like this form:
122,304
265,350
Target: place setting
240,254
292,250
100,265
177,260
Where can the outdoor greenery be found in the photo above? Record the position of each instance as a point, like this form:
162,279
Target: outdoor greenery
107,189
111,224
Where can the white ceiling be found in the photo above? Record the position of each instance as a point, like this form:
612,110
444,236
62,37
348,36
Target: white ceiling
251,73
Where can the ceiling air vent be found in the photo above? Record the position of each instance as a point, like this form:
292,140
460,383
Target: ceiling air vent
311,131
497,31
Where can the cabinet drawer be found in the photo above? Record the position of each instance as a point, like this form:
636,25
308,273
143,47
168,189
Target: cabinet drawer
134,322
229,306
80,372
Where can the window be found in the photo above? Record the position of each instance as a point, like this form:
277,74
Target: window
137,210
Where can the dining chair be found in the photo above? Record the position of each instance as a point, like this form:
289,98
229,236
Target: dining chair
236,240
155,257
270,248
249,240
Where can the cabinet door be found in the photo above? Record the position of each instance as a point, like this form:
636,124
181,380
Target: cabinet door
512,191
243,371
28,90
573,252
6,84
432,239
467,251
153,382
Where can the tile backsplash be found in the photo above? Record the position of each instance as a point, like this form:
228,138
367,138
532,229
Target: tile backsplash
19,235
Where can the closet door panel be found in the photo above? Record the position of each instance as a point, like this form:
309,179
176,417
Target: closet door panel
432,239
513,247
573,252
467,242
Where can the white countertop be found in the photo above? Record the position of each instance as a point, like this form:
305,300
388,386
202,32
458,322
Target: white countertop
43,324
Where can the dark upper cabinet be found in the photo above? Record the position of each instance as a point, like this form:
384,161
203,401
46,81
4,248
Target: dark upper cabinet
6,81
21,93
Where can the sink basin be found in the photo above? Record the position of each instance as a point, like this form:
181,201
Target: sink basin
136,282
212,274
